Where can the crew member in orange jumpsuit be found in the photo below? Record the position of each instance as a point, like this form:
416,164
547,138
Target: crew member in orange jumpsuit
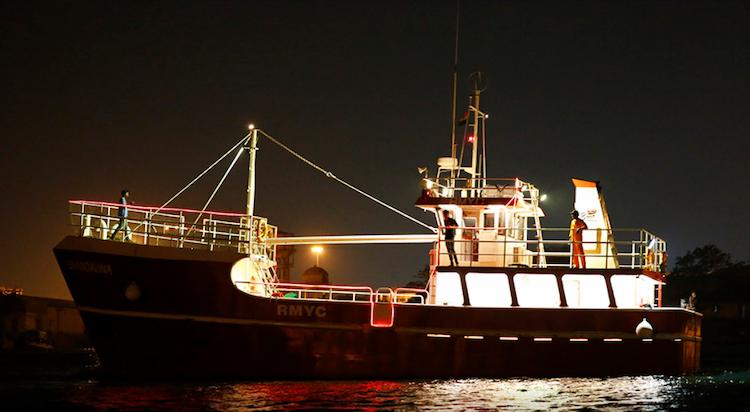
577,226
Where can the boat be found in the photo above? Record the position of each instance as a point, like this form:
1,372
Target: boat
191,293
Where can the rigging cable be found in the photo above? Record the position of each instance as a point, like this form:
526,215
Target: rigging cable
332,176
203,173
216,189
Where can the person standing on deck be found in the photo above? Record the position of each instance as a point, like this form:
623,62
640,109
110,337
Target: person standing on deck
450,225
122,213
577,226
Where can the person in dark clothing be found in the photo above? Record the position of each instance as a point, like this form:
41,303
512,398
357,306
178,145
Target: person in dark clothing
450,225
122,213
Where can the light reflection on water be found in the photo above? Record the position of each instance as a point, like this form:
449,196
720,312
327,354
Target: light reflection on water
721,391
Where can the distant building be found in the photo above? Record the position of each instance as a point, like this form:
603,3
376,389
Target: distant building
42,323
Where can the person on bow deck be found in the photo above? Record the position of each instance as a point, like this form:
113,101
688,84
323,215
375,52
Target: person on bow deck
122,213
577,226
450,225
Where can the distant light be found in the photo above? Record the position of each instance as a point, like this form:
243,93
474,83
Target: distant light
486,116
317,249
250,126
542,198
470,138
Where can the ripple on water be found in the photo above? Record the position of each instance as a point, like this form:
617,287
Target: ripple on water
641,393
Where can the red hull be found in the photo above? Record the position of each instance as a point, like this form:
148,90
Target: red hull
189,320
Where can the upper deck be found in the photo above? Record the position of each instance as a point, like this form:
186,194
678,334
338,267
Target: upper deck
468,191
174,227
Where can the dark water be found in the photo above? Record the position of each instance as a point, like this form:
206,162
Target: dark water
70,391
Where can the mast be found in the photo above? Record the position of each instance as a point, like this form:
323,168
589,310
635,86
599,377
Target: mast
475,142
252,147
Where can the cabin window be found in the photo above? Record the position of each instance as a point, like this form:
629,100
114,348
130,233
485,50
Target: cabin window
448,289
489,220
488,289
537,290
633,291
585,291
470,221
501,223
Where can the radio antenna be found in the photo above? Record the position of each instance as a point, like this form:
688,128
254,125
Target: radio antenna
455,86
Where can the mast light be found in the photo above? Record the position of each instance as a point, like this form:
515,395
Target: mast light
250,126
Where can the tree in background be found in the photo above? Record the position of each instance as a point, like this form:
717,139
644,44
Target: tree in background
420,279
704,260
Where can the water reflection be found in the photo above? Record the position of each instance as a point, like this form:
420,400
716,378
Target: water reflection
624,393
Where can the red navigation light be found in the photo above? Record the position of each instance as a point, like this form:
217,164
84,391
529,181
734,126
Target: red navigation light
470,138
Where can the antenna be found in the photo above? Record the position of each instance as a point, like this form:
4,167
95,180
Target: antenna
455,86
479,84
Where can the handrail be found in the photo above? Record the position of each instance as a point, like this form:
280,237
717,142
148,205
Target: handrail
174,227
317,292
497,246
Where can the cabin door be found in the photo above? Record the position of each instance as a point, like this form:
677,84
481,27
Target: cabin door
382,308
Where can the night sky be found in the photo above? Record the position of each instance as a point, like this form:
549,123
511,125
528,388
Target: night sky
650,98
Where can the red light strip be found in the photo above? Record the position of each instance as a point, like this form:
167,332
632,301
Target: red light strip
388,323
155,208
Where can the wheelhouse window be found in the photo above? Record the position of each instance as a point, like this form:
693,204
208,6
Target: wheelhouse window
489,220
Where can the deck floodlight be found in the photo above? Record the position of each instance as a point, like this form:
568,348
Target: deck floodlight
250,126
317,251
543,197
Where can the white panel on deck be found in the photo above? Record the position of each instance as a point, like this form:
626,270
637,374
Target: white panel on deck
633,291
585,291
537,290
448,289
488,290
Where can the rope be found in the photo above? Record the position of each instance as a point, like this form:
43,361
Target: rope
216,189
332,176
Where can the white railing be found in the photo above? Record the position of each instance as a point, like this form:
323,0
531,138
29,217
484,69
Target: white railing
631,248
474,187
172,227
301,291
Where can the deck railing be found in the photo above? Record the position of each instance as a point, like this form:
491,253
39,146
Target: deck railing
616,248
172,227
475,187
343,293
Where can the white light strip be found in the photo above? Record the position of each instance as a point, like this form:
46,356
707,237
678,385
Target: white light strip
473,337
648,340
437,335
579,339
508,338
542,339
613,340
